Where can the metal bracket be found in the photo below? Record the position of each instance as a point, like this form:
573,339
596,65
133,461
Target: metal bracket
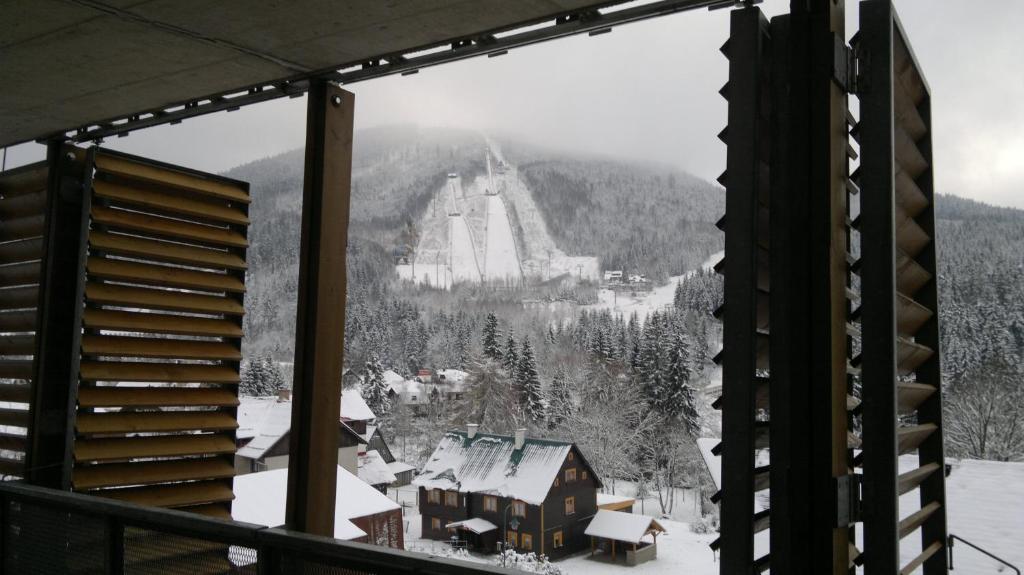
847,498
844,65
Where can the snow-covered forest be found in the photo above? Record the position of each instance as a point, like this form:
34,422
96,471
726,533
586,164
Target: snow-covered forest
628,389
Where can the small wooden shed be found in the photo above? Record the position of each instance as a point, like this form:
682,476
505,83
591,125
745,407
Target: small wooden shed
628,529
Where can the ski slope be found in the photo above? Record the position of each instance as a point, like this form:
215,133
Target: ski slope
489,230
501,259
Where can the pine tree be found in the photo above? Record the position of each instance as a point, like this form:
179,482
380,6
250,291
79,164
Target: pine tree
374,390
257,380
559,399
650,368
275,379
528,382
678,400
510,360
491,337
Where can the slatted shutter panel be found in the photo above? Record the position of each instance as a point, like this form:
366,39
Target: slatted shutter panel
22,207
746,266
161,340
901,383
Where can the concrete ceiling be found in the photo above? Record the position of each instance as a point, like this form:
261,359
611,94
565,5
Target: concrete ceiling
69,63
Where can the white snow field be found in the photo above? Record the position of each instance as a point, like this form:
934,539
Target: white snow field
489,230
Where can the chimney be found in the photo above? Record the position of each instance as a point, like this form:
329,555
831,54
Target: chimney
471,430
284,394
520,438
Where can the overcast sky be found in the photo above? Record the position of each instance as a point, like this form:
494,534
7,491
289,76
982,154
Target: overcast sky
649,90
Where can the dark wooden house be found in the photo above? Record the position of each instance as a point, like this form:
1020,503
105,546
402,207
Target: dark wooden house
497,491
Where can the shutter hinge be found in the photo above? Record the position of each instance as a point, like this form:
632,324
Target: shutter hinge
847,498
844,65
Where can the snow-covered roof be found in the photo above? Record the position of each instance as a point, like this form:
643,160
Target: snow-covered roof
452,375
260,498
265,420
353,407
397,467
629,527
609,499
252,411
490,464
391,376
714,465
373,470
476,525
407,386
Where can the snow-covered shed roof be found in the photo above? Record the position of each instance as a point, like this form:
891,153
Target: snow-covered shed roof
397,467
490,464
476,525
260,499
620,526
373,470
614,502
353,407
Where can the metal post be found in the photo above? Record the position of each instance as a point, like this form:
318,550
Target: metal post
320,322
61,287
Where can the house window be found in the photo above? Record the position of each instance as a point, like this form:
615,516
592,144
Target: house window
557,482
435,523
519,508
583,475
511,539
490,503
451,498
571,456
570,505
556,540
414,398
433,496
570,475
526,542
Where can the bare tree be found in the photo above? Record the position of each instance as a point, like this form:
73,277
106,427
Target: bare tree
985,412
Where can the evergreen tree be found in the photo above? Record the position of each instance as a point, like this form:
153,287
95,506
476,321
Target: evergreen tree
679,402
650,368
559,398
373,389
491,337
275,379
528,382
510,361
257,380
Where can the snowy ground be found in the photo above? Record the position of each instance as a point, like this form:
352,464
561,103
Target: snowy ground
644,303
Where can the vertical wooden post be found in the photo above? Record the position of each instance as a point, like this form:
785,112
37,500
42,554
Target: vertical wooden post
61,289
320,322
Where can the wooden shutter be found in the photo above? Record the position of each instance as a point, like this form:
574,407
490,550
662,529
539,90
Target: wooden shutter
23,193
901,381
161,339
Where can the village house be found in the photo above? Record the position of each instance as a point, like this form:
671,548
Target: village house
427,386
361,513
263,440
500,491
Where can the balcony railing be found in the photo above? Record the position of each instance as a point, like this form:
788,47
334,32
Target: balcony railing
49,531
